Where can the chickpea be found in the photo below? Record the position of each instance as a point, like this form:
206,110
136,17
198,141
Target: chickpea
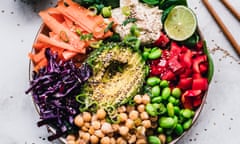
141,141
94,139
123,117
154,125
87,116
96,125
138,99
130,108
106,128
101,114
121,109
87,125
120,140
105,140
132,139
94,117
144,116
141,108
138,122
91,130
123,130
112,140
129,123
85,129
81,133
145,99
99,133
103,121
133,115
70,142
115,127
86,137
71,137
78,120
146,123
140,132
162,138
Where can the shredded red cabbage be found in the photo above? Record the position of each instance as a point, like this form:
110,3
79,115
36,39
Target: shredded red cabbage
54,89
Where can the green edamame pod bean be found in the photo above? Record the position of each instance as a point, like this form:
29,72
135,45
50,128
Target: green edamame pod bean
169,139
153,140
178,129
172,100
166,93
187,113
187,124
146,49
155,54
153,81
170,109
176,110
177,102
147,70
156,100
161,109
175,118
154,49
106,12
164,83
169,131
160,130
145,55
156,91
151,110
166,122
176,92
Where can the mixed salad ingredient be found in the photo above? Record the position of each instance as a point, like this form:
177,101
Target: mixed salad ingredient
122,71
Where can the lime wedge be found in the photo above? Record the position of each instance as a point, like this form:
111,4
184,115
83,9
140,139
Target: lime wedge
180,23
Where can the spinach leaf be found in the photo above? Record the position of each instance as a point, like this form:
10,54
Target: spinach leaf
192,41
165,13
85,3
129,20
164,4
112,3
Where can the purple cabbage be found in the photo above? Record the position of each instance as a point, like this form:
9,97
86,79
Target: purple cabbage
54,89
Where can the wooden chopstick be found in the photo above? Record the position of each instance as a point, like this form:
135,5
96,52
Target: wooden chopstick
222,26
231,8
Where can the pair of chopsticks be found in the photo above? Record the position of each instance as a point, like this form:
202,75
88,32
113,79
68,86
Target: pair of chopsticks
222,25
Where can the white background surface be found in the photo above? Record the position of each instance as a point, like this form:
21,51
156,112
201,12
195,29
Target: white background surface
217,124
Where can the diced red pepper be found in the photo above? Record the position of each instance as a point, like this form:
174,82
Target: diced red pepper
175,65
192,93
185,83
186,59
187,102
168,75
197,101
162,41
175,50
191,98
196,76
200,84
203,67
199,45
197,61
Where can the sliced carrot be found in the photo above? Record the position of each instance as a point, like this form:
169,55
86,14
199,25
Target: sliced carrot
40,64
39,45
67,55
107,34
63,45
57,28
36,58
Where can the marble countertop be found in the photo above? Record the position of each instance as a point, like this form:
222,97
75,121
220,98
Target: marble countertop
19,23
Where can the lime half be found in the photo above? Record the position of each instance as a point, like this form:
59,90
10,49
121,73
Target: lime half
180,23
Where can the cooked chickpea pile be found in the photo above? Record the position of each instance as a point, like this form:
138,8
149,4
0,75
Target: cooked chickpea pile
134,126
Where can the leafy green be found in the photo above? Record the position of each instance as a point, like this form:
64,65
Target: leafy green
98,3
210,62
192,41
151,2
164,4
165,13
129,20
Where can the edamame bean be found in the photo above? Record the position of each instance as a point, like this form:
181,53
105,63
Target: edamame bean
155,54
106,12
176,110
156,91
153,81
156,99
187,113
169,139
166,122
187,124
160,130
151,110
178,129
170,109
145,55
147,70
166,93
153,140
176,92
164,83
172,100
